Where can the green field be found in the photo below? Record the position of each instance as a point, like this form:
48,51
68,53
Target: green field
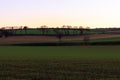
60,63
64,52
50,31
45,31
113,39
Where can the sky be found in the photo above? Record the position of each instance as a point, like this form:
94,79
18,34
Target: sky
55,13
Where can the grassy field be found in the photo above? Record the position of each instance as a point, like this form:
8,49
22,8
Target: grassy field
60,63
46,31
51,31
99,41
113,39
64,52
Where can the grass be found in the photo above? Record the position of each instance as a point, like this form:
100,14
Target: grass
60,63
114,39
52,32
60,52
100,41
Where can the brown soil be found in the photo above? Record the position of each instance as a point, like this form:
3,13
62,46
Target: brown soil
37,39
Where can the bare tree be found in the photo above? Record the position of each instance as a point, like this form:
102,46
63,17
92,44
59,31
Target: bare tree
68,26
75,27
25,28
81,29
86,39
43,28
59,34
63,26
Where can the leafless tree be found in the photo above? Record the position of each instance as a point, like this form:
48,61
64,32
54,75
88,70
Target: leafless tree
25,28
86,39
68,26
59,33
81,29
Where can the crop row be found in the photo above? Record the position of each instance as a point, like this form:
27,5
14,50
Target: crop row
59,70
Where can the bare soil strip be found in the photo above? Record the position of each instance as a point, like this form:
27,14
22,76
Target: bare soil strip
38,39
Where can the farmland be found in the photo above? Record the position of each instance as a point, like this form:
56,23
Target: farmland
14,52
39,54
60,63
49,31
59,36
115,38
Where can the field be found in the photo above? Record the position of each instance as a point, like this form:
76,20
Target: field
60,63
40,55
44,39
13,52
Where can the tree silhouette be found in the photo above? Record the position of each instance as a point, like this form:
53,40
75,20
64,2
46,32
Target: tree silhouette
81,30
63,26
69,27
25,28
43,29
5,33
66,31
59,34
0,33
86,39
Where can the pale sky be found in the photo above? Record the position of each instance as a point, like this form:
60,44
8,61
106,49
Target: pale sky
53,13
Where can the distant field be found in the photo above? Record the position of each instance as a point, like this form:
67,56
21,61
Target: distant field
60,63
115,38
51,31
44,31
104,39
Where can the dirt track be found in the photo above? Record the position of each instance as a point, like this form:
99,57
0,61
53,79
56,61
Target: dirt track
36,39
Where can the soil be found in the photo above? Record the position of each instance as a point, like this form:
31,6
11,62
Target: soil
38,39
